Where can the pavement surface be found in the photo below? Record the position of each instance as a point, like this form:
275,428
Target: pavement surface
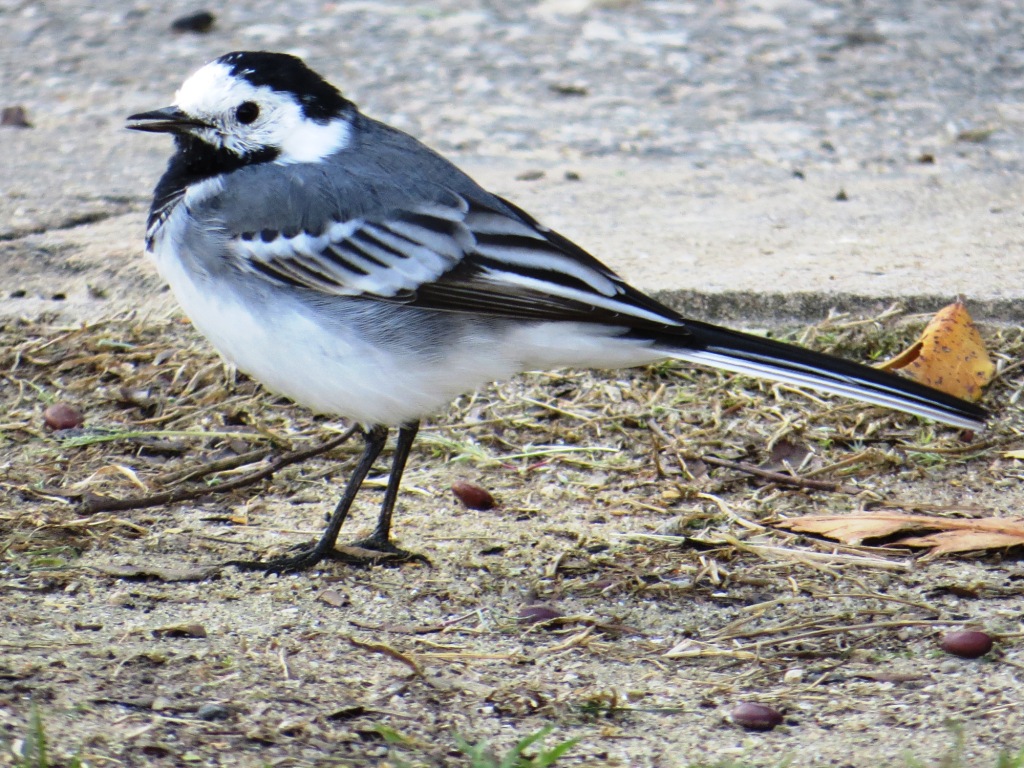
760,161
755,161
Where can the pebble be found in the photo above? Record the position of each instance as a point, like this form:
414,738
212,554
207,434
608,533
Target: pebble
213,712
14,117
793,676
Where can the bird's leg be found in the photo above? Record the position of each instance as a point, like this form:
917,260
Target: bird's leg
310,555
380,539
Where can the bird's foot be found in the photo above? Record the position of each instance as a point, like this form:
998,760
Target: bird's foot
374,550
365,552
306,556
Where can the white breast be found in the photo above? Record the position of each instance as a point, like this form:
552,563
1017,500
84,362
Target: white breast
333,368
278,340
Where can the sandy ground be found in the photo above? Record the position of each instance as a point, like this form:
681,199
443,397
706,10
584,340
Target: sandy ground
136,648
711,142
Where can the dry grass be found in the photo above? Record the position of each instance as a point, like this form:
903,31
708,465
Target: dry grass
164,414
664,565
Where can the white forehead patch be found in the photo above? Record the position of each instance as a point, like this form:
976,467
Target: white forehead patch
212,87
213,95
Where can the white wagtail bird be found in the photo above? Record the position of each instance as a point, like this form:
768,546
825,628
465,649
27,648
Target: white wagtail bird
347,266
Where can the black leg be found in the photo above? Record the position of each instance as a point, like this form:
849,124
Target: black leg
311,555
380,539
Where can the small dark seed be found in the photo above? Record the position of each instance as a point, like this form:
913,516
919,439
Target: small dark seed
200,23
569,89
755,717
62,416
967,643
538,614
14,117
473,496
531,175
181,630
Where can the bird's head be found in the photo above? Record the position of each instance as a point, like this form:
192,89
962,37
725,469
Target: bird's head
257,106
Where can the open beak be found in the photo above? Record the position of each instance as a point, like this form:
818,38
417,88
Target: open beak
166,120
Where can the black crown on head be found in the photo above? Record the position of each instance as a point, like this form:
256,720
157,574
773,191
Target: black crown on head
320,100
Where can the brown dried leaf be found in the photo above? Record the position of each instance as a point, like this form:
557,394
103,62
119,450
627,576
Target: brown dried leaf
853,529
333,598
949,356
947,542
785,454
942,534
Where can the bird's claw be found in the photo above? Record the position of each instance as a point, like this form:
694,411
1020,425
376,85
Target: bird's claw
365,552
307,556
372,550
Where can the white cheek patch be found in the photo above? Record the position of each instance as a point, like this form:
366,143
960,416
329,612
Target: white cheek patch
310,141
213,95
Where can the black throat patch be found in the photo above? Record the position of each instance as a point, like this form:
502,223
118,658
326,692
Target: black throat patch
196,161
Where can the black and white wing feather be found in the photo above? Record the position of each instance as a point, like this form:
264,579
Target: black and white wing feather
466,251
386,258
456,255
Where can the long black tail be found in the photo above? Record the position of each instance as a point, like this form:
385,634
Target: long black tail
717,347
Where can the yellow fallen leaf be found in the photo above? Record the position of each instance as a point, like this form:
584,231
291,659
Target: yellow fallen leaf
942,534
949,355
946,542
852,529
1018,454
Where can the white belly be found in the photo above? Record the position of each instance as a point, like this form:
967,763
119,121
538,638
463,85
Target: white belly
326,371
319,359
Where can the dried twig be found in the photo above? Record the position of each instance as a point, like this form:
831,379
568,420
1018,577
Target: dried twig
844,628
93,504
212,467
412,629
777,477
387,650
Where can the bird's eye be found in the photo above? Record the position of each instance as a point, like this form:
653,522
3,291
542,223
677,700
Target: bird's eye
247,112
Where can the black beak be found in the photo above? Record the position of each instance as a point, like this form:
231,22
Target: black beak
166,120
